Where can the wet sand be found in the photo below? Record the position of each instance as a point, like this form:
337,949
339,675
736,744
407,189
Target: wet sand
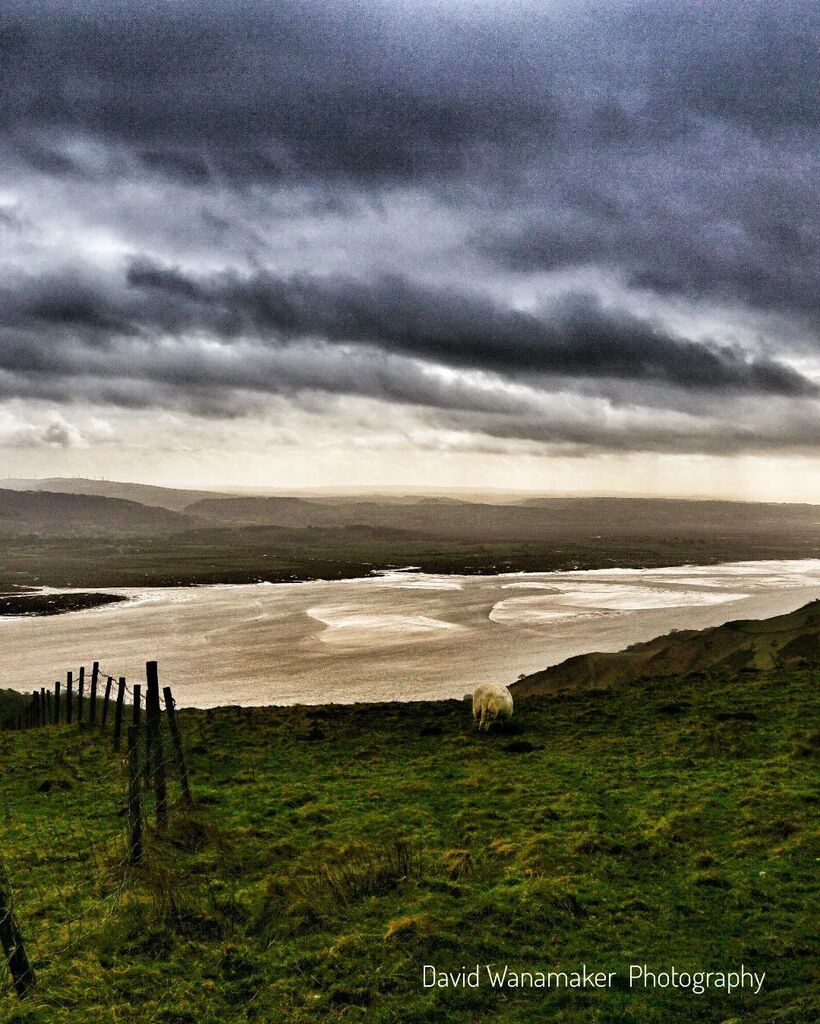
402,636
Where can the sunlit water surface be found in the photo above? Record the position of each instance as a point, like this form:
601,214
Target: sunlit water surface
400,636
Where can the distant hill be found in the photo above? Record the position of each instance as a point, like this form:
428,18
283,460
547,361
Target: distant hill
677,513
46,514
177,499
146,494
786,641
470,517
539,520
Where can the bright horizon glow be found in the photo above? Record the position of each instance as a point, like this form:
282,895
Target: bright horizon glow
698,478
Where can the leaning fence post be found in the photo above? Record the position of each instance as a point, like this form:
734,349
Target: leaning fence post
156,758
13,947
176,739
134,809
69,698
118,713
95,672
80,695
106,699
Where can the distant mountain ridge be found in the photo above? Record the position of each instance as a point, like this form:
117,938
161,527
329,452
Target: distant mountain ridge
49,514
727,530
544,519
172,498
785,641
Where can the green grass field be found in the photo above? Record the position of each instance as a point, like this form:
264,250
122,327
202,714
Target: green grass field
334,851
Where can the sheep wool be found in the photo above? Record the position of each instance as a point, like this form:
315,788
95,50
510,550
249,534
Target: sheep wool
491,703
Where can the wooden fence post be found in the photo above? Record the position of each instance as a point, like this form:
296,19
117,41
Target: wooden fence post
134,808
156,757
43,706
80,695
13,947
49,708
57,702
69,698
108,684
176,739
35,705
118,713
135,718
95,672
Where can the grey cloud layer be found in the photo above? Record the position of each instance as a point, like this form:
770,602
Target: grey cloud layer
670,147
574,339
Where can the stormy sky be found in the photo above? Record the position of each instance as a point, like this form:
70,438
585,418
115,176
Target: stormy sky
548,245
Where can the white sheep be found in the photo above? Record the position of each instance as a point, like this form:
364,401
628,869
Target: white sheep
491,703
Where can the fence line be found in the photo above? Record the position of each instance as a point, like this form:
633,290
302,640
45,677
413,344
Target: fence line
70,881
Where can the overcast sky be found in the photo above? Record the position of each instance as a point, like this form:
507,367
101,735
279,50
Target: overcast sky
557,245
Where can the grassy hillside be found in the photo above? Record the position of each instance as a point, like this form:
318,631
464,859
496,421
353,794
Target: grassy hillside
784,641
334,851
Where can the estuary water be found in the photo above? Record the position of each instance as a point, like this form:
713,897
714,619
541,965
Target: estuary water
404,635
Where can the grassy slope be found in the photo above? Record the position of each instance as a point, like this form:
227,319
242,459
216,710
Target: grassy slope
645,825
781,641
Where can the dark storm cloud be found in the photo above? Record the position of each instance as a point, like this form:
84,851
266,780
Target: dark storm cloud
575,338
670,148
374,89
758,248
260,91
671,141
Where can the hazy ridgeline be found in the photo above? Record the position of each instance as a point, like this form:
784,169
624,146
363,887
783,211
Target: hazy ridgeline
169,537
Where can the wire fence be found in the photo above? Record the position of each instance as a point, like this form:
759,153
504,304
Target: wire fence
66,861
